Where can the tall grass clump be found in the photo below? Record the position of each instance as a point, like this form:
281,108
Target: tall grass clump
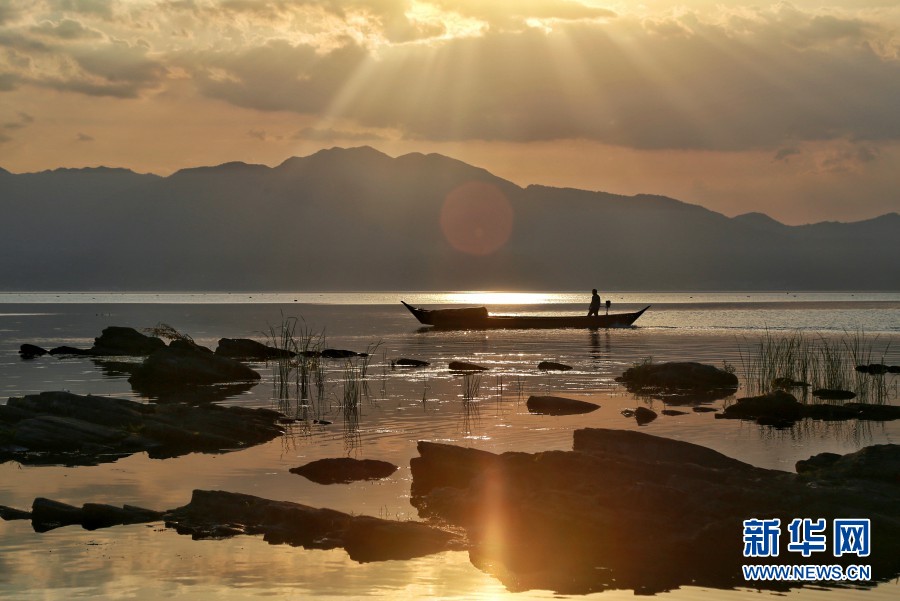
799,361
298,368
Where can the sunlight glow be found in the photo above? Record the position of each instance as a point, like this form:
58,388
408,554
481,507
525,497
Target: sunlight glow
497,298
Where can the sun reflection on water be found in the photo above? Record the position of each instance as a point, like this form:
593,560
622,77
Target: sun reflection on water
497,298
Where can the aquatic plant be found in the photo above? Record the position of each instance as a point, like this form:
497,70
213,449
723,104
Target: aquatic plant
802,363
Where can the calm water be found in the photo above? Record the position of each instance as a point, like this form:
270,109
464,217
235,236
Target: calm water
150,562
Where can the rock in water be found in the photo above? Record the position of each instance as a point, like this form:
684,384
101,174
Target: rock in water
553,366
655,513
214,514
680,382
463,366
245,348
172,367
344,469
117,340
557,405
61,427
30,351
404,362
644,416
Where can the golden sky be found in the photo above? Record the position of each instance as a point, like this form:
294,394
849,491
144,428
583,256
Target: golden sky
791,109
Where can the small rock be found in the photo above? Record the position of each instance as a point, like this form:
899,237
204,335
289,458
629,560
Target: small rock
553,366
404,362
245,348
69,350
463,366
644,416
344,469
557,405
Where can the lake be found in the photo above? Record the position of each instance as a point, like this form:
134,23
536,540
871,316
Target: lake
401,407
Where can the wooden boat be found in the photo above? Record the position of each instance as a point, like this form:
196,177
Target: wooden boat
478,318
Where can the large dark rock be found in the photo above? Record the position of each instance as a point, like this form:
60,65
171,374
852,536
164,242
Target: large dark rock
644,415
557,405
173,367
344,469
680,382
117,340
61,427
216,514
774,408
782,409
626,510
30,351
245,348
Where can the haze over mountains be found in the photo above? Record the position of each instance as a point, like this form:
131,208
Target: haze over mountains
357,219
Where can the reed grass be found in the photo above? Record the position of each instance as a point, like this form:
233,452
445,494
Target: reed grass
798,360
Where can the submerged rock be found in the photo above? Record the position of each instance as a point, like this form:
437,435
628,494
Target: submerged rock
625,510
463,366
782,409
557,405
405,362
336,353
553,366
173,367
47,514
680,382
245,348
61,427
344,469
218,514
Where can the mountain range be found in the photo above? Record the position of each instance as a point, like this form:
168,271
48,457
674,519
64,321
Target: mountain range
357,219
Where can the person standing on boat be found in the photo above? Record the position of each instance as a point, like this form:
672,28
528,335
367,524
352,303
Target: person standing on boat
594,308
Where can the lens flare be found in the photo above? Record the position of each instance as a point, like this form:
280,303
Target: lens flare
476,218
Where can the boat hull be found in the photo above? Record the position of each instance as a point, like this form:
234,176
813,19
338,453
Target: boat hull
475,319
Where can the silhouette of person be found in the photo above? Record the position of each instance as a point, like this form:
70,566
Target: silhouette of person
594,308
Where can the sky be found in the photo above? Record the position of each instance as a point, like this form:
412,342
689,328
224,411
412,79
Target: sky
789,109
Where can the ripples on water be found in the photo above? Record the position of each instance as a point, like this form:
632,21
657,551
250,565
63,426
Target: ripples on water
143,562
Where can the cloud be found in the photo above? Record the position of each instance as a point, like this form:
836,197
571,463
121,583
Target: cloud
67,29
784,154
81,137
99,8
24,119
330,134
738,79
507,13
